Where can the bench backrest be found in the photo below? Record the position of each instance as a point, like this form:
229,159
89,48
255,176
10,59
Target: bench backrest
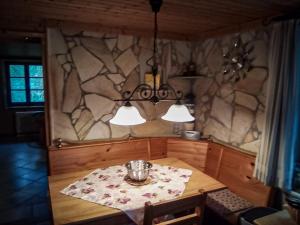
235,169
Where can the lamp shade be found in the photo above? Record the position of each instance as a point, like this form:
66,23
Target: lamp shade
178,113
127,115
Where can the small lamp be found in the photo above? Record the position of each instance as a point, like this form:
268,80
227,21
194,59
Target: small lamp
178,113
127,115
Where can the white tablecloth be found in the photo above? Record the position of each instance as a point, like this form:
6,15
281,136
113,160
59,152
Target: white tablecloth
107,187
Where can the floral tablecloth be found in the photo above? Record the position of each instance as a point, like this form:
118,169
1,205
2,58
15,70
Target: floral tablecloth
107,187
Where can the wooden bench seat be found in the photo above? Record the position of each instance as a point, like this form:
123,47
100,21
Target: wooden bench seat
225,202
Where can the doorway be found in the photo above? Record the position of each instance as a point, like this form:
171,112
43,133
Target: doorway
23,153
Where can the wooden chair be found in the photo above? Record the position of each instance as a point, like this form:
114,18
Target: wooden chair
193,202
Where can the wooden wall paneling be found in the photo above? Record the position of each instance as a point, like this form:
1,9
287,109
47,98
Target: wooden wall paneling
158,148
236,172
83,157
192,152
213,159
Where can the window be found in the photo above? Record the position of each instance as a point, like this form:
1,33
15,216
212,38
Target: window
25,84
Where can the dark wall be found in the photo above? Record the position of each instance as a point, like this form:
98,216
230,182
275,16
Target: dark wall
10,50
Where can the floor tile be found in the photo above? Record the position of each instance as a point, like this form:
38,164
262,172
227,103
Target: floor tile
6,204
6,190
41,212
18,183
21,196
44,223
34,176
24,198
16,214
43,180
36,199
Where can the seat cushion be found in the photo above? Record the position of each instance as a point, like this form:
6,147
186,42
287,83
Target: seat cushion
225,202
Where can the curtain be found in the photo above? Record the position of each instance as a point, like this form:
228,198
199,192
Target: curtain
280,138
296,142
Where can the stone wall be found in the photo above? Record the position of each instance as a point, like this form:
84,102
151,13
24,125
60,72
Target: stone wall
88,70
232,112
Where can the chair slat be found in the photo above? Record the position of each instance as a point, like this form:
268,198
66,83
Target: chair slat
182,204
184,220
177,205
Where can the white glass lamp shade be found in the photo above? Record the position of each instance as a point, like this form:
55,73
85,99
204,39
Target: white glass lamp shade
178,113
127,115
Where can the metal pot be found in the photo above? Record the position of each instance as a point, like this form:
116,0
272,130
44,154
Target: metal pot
191,135
138,170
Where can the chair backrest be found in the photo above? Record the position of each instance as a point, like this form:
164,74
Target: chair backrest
194,202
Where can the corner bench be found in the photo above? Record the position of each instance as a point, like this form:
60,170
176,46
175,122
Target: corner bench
231,167
234,169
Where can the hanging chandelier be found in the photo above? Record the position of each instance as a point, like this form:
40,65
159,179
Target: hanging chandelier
129,115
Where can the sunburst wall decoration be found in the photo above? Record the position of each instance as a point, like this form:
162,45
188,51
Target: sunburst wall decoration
237,61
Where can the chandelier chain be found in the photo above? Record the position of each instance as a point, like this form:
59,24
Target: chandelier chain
146,92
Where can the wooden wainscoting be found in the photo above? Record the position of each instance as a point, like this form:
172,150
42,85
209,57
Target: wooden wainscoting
192,152
158,148
213,159
98,154
76,157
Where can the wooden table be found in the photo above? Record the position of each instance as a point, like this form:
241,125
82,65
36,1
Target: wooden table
70,210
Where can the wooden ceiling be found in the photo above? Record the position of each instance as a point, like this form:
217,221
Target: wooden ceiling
184,19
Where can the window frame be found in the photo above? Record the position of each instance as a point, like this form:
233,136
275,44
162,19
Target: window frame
26,77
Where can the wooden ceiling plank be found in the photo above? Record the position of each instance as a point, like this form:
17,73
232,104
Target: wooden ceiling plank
281,6
237,5
148,24
118,30
187,11
194,5
123,11
62,15
114,22
186,15
180,18
220,8
189,21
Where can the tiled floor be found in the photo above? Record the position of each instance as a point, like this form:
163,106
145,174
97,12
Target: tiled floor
23,185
